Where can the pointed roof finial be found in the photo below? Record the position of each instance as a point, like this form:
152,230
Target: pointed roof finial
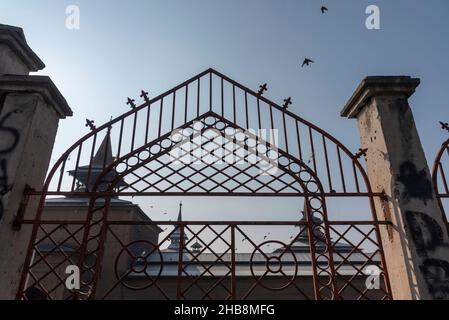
104,152
180,212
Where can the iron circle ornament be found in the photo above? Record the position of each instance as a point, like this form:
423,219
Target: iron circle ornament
274,265
136,256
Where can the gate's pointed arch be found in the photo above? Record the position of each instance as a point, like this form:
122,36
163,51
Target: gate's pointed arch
312,159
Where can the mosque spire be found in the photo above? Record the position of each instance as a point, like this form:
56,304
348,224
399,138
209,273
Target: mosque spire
175,237
180,212
104,152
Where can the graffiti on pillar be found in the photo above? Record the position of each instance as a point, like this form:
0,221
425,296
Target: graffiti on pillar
428,238
8,142
416,183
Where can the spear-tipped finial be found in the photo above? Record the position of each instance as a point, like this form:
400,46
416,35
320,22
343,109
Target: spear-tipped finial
362,152
131,102
287,102
144,96
444,126
90,124
262,89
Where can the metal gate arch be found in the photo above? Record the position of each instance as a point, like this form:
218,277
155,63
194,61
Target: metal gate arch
103,188
440,174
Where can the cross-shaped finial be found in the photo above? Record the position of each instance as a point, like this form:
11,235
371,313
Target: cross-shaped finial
444,126
131,103
287,102
262,88
362,152
144,95
90,124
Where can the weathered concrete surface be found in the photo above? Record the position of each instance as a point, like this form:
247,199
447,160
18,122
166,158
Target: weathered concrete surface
16,56
417,247
30,109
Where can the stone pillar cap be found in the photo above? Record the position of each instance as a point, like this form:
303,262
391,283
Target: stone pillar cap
37,84
14,38
403,86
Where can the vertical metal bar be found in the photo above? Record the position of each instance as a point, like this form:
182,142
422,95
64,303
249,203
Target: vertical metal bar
147,127
160,117
341,169
186,103
298,140
107,147
76,167
180,262
198,98
443,177
119,149
285,132
233,103
101,246
233,264
313,259
328,170
173,112
134,132
313,149
90,161
61,174
210,91
222,98
355,176
246,110
272,123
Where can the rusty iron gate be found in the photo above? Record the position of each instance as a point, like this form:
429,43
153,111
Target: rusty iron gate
326,253
440,174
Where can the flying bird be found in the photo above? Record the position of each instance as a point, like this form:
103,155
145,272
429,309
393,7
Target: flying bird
307,62
312,156
324,9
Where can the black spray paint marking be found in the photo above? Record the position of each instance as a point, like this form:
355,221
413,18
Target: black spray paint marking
427,235
436,272
8,142
417,184
425,232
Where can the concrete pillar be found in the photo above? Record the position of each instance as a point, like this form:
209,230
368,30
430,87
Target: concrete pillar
417,246
30,109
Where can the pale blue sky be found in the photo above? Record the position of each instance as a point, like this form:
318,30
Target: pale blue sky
125,46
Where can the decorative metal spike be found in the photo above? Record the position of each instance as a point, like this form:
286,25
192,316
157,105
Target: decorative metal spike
90,124
444,126
362,152
144,95
131,102
262,89
287,102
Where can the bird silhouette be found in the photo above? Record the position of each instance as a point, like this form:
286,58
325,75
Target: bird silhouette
324,9
307,62
312,156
